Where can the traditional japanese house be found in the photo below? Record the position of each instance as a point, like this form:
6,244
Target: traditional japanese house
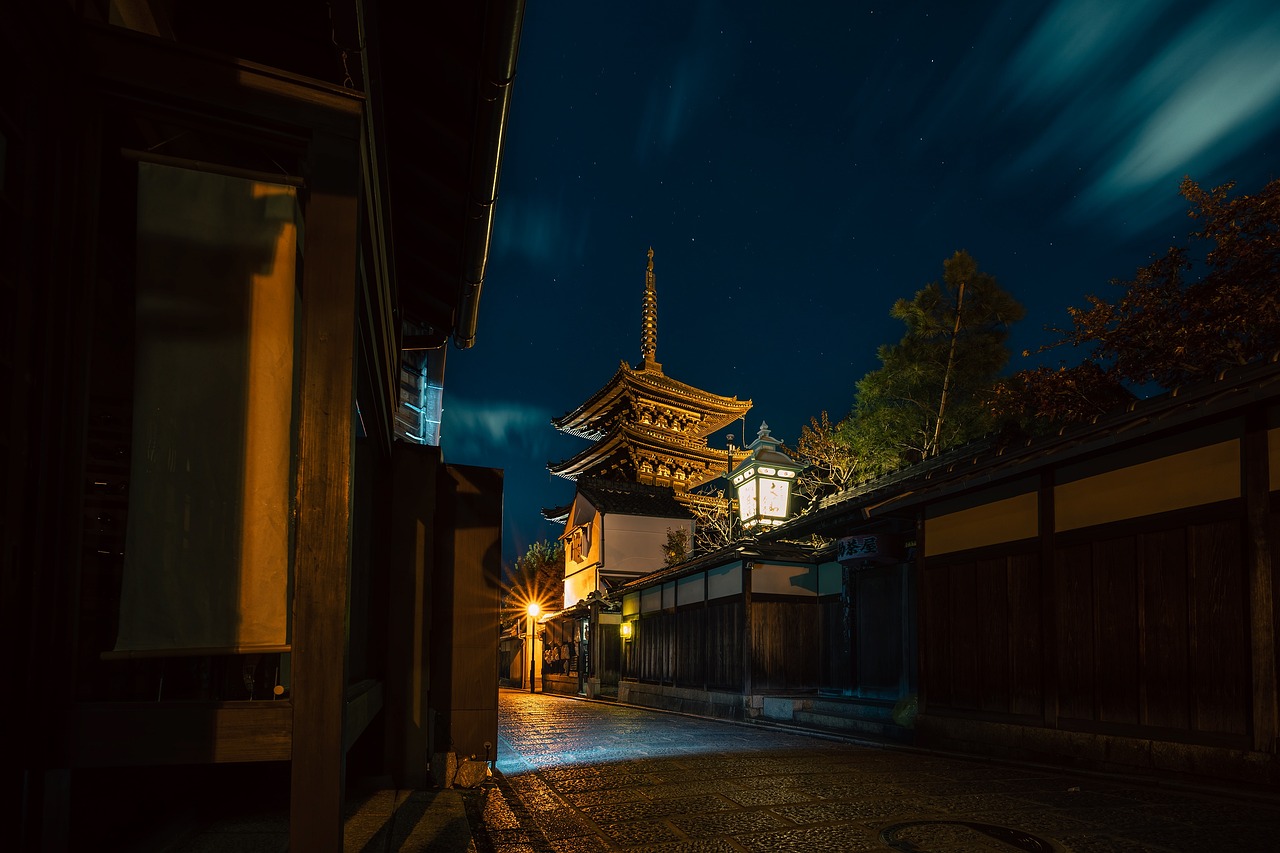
1103,597
225,571
615,531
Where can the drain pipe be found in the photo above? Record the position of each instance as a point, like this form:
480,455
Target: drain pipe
503,19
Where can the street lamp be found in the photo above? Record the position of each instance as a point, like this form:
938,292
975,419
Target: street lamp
533,610
763,482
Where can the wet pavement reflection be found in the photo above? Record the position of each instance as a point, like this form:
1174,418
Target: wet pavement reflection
591,776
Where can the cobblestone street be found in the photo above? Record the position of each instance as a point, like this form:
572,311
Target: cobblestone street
589,776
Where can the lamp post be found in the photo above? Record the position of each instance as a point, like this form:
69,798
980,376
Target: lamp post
763,483
533,610
728,488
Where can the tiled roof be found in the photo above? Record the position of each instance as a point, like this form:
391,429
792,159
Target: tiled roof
623,498
990,460
745,549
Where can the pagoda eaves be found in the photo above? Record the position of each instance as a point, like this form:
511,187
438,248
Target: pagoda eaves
648,455
645,395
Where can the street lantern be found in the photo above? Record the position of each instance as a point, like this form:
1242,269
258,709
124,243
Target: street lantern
763,482
533,610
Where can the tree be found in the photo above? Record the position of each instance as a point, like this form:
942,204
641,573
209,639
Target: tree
1209,304
933,388
831,462
676,549
1035,400
536,576
713,525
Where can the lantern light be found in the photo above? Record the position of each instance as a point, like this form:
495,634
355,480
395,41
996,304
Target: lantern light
763,482
624,630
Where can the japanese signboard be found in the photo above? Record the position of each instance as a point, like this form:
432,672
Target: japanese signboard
871,546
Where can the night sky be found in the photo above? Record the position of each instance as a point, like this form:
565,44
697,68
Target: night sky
798,166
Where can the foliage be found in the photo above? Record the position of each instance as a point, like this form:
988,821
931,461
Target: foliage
676,549
1034,400
536,576
712,529
933,388
1193,311
831,462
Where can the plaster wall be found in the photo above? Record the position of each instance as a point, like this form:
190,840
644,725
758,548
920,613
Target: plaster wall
634,544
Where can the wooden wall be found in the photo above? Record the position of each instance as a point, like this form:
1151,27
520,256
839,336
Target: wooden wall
981,635
1136,629
834,669
699,645
784,644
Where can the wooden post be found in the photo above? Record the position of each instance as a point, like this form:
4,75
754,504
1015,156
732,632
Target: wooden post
1256,487
413,508
463,691
323,531
1048,601
748,658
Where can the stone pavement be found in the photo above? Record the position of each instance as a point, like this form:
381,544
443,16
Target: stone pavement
589,776
379,819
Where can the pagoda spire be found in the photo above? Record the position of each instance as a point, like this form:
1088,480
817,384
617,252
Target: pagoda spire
649,321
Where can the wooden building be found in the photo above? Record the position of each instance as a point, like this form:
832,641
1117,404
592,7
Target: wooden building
224,225
1100,598
720,634
614,531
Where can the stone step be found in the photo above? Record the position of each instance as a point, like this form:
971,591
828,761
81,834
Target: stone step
880,710
884,729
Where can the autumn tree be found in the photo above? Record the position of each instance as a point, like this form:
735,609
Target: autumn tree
1208,304
933,388
831,464
1032,401
538,576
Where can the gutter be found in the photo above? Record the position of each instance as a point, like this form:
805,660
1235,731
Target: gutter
503,20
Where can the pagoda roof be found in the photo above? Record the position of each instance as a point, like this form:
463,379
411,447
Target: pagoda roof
625,439
593,419
624,498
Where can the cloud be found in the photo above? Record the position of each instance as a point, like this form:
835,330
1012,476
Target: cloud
536,228
473,432
1136,95
701,66
1078,39
1210,95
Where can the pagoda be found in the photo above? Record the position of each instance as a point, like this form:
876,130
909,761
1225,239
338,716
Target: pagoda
646,427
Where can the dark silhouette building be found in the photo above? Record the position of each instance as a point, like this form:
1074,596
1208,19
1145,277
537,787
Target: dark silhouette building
237,237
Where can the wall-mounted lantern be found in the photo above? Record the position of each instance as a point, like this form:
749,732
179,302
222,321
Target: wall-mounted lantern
763,482
624,630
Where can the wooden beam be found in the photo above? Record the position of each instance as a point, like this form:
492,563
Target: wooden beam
364,701
748,659
322,565
1048,600
131,734
129,63
1256,488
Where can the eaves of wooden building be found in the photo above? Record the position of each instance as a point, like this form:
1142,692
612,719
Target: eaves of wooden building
227,229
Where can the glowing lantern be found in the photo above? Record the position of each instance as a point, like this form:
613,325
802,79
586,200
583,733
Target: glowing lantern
763,482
